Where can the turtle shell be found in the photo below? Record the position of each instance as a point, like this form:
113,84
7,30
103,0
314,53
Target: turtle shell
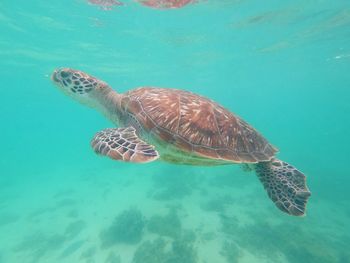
195,124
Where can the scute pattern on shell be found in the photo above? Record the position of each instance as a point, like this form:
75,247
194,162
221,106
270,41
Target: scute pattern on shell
196,124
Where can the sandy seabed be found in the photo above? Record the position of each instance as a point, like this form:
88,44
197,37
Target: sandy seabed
160,213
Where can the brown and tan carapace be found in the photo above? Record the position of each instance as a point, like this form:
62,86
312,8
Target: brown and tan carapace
181,127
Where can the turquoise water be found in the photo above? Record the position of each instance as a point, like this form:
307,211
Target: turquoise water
283,66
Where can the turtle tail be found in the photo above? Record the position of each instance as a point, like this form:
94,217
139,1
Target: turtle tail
285,185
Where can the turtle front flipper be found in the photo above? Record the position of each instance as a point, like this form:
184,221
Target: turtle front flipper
124,145
285,185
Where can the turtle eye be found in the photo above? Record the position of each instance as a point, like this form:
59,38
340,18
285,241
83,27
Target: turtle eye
65,74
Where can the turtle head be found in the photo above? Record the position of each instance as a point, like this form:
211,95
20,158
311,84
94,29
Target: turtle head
78,84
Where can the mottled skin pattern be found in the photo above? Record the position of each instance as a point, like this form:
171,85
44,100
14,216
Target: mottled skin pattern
284,183
181,127
123,144
196,125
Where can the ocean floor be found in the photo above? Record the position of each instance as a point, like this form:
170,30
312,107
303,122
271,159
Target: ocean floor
161,213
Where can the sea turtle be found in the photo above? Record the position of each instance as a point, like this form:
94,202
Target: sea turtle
181,127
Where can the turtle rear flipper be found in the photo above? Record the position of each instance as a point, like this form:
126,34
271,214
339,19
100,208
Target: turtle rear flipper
285,185
124,145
